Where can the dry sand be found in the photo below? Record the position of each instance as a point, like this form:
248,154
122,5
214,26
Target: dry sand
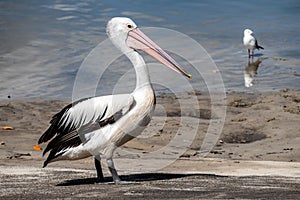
257,154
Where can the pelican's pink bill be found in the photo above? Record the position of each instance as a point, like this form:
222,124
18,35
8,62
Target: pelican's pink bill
139,41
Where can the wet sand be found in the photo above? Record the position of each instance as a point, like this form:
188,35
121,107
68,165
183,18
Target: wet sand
256,156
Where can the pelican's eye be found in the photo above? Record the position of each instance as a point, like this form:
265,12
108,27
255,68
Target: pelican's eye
130,26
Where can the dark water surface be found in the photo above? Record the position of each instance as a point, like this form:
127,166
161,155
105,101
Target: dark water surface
43,43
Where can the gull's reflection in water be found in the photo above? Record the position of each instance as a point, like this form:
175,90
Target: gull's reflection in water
251,71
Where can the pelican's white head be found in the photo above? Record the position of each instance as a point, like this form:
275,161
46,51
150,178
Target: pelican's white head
117,30
125,35
248,32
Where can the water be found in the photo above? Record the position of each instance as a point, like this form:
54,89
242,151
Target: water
43,43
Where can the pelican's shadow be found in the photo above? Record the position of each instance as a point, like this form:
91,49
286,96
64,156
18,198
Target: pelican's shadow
133,178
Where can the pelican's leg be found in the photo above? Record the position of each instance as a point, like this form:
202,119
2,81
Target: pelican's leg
113,171
249,53
100,177
252,53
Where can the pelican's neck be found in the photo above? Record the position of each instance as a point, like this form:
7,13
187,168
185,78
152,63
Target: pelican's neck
141,70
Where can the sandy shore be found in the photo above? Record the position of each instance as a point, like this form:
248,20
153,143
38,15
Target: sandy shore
260,137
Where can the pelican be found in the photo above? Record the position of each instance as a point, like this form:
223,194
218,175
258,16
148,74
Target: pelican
96,126
250,42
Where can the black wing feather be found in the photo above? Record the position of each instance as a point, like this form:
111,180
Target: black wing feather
56,122
58,144
257,46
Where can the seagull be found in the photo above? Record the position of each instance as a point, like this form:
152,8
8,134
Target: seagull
96,126
250,42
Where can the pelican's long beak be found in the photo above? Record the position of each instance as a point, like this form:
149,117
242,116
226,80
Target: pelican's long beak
137,40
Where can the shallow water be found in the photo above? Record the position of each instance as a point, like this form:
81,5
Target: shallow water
44,43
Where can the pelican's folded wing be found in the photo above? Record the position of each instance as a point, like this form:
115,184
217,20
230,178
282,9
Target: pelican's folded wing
85,111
